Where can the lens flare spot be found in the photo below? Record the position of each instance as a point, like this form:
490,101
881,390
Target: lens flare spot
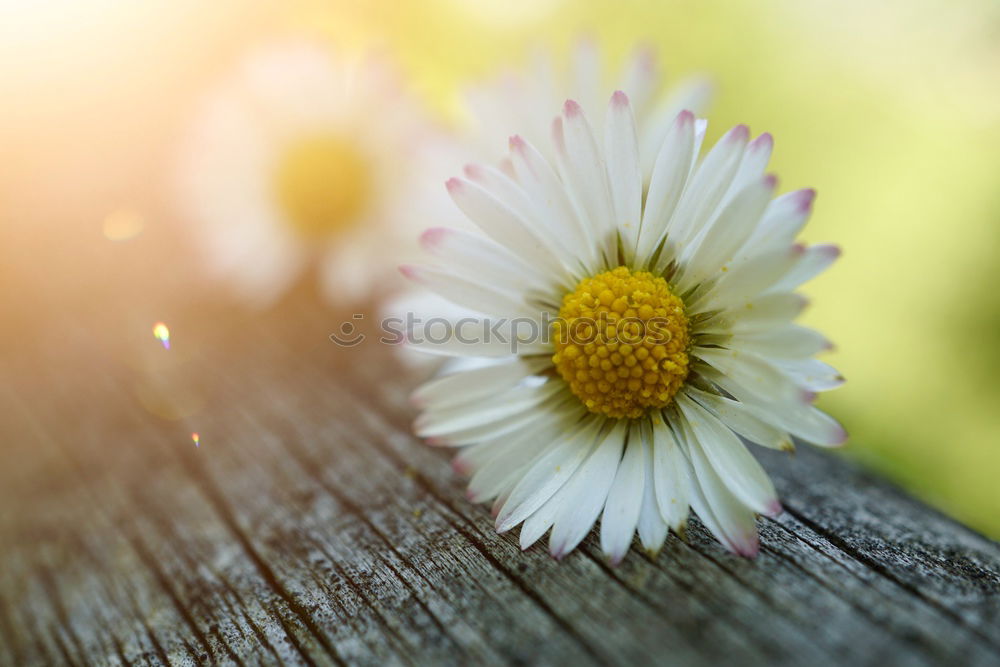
196,439
162,334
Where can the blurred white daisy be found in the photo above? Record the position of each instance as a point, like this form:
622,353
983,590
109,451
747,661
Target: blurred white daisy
522,100
299,158
671,343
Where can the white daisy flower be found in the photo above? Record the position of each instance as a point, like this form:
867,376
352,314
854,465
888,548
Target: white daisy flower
671,339
302,159
523,99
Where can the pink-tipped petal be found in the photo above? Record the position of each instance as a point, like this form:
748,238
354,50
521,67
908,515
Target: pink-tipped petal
431,239
684,116
619,99
409,271
805,199
774,509
830,250
473,171
453,184
764,142
740,134
747,546
771,181
572,109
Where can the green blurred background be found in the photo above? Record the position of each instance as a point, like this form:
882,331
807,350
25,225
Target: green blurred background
891,110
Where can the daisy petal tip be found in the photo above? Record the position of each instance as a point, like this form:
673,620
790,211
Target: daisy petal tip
805,200
771,181
571,109
740,133
619,99
432,238
747,546
763,142
614,560
685,117
808,397
454,184
410,272
774,509
831,250
516,142
473,171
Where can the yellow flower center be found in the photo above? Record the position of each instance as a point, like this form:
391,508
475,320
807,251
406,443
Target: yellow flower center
322,183
621,342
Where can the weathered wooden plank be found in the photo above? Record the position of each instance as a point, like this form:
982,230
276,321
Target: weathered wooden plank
310,528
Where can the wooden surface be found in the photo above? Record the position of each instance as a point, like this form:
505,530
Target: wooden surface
309,527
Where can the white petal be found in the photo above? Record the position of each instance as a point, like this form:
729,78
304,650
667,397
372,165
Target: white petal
468,293
471,255
755,160
583,171
728,519
810,424
742,419
762,313
584,495
503,225
444,421
670,173
737,468
747,281
515,453
652,527
471,385
796,416
511,193
621,146
811,374
548,194
621,512
790,341
477,337
814,261
710,182
689,95
751,372
783,220
670,475
717,242
547,475
498,475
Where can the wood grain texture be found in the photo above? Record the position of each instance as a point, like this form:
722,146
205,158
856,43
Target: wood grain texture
309,527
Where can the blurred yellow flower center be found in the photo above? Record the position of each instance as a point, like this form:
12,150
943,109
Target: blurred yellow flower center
323,183
621,342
